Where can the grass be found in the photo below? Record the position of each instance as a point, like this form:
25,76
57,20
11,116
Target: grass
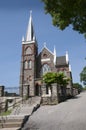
5,113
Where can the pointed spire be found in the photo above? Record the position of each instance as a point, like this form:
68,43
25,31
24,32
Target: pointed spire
67,57
54,56
30,31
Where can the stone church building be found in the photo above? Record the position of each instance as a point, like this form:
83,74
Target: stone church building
34,65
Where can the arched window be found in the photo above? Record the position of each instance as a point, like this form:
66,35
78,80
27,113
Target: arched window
45,68
45,55
26,64
29,64
28,51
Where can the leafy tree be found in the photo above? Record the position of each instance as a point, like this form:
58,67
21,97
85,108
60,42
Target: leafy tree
66,12
50,78
58,78
83,76
62,80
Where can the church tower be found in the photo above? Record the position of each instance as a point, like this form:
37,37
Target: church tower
28,61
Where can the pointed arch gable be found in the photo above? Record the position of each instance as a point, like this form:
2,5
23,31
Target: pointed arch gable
28,51
47,50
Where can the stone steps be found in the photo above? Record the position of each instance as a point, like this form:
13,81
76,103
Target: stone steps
10,124
11,121
26,108
16,110
15,128
20,114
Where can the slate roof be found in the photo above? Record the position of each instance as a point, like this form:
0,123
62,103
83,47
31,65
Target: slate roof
61,60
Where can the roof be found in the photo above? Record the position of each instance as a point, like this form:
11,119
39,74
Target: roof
61,60
46,49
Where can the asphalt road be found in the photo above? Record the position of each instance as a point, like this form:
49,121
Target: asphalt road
69,115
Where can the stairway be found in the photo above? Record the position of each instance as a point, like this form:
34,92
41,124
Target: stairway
15,122
20,114
27,107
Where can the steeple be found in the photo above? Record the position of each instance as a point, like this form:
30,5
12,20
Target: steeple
30,35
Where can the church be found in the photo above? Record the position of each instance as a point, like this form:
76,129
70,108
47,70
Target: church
35,64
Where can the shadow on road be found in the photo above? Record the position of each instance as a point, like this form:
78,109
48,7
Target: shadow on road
71,98
76,97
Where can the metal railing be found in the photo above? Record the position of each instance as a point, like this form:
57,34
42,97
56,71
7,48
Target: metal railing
10,98
11,91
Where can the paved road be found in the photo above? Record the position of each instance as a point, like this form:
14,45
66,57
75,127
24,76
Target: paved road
69,115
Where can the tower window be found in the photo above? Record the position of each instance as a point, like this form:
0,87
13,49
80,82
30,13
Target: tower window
29,64
26,65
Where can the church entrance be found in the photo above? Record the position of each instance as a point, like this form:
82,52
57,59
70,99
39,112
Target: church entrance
37,90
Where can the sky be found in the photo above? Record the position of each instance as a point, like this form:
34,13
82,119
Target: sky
14,16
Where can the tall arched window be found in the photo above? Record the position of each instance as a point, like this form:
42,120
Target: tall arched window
28,51
45,68
26,64
29,64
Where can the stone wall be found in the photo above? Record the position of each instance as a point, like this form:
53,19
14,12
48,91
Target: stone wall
52,98
75,91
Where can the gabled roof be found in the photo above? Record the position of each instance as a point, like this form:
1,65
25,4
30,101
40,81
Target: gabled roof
46,49
61,60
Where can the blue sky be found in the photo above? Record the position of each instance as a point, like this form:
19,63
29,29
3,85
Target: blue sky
14,16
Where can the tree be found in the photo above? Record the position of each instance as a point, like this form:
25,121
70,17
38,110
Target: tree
83,76
58,78
66,12
50,78
62,80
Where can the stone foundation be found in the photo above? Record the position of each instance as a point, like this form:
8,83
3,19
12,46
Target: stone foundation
49,100
52,98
